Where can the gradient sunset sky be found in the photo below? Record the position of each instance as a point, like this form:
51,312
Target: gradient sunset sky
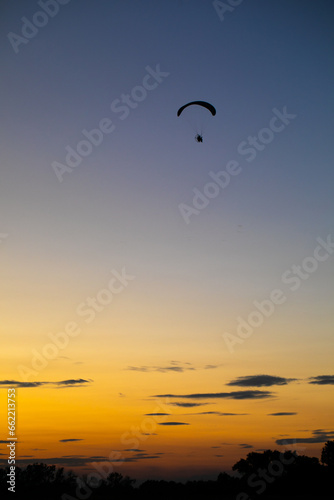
165,345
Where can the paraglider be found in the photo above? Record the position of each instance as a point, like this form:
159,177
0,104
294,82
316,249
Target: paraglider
204,104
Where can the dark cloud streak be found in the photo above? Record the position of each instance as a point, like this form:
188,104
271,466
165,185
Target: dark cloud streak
80,382
70,439
174,423
187,405
319,436
282,414
218,395
260,381
322,380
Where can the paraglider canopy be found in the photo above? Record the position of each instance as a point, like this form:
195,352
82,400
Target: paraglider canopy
199,126
206,105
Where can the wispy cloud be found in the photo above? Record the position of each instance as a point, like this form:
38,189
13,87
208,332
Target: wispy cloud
322,380
246,446
16,383
161,369
260,381
80,460
218,413
187,405
282,414
318,436
156,414
174,423
174,366
134,450
72,382
219,395
69,440
62,383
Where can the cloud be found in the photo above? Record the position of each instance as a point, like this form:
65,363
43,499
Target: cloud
62,383
219,413
174,423
282,413
134,449
16,383
319,436
218,395
72,382
322,380
232,414
135,458
68,440
246,446
188,405
162,369
174,366
155,414
260,381
78,460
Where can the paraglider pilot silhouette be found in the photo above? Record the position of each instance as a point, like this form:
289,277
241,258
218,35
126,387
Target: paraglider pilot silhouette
208,106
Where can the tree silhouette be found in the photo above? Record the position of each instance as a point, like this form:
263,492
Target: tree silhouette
255,461
271,474
327,454
117,481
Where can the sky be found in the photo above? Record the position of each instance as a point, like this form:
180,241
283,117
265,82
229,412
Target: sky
166,305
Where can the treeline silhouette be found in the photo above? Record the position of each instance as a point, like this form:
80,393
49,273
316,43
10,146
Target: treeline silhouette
268,475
